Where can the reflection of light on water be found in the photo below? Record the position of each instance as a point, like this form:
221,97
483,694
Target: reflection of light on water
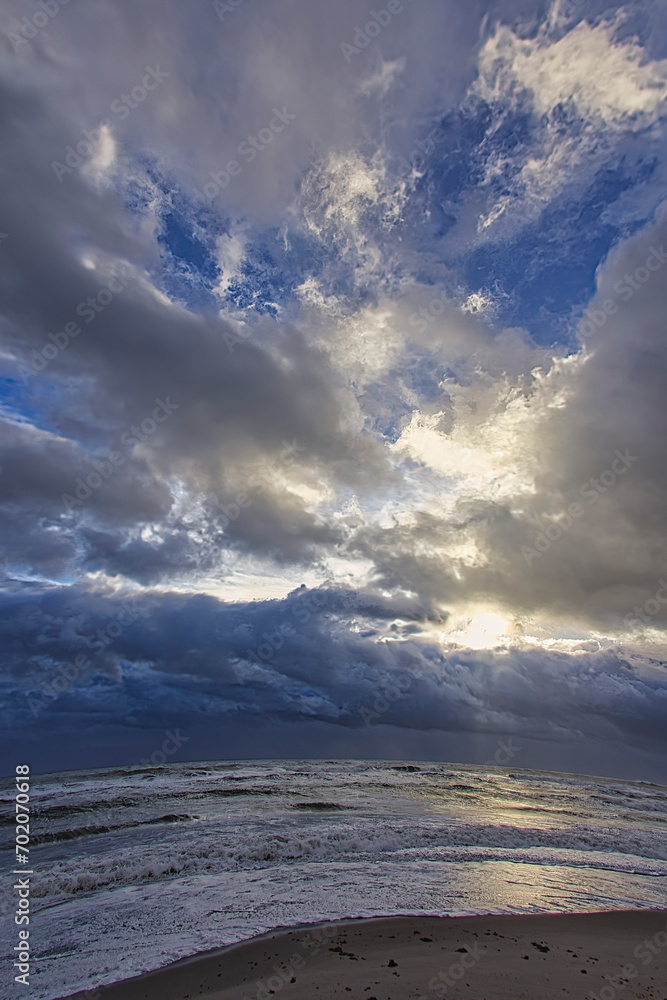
502,803
522,888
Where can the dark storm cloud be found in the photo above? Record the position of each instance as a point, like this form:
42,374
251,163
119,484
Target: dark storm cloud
157,657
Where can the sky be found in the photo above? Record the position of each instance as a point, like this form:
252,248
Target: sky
332,356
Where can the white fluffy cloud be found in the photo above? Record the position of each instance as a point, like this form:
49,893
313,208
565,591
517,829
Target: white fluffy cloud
590,88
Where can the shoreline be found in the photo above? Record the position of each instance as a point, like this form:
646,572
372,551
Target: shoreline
602,955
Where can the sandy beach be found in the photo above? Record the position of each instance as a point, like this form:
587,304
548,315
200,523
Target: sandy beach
595,955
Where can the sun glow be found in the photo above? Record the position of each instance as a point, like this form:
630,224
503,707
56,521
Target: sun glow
485,631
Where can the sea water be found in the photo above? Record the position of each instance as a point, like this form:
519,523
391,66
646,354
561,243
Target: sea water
137,867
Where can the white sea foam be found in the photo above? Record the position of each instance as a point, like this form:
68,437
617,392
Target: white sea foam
203,855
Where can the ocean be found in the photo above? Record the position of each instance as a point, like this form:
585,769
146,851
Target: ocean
136,867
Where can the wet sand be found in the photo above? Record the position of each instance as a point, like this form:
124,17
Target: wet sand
595,955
